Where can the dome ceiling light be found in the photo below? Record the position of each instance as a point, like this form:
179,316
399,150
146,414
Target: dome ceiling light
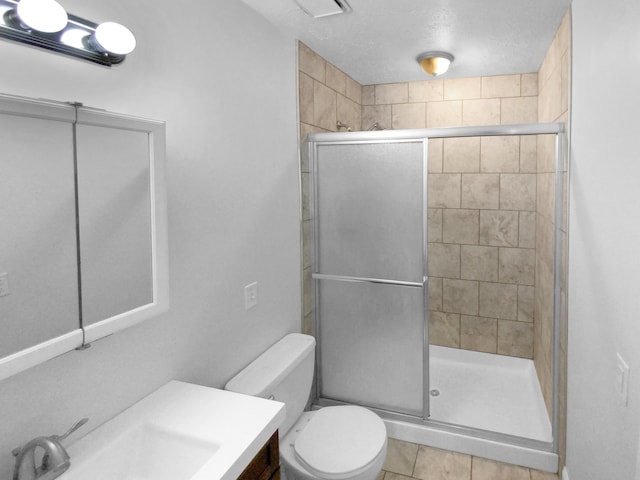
435,63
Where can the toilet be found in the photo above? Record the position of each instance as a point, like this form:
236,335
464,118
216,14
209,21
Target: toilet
333,443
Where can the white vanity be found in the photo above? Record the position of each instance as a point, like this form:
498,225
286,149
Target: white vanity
183,432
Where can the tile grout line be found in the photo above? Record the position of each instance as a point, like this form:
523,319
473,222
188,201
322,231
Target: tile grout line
415,461
472,458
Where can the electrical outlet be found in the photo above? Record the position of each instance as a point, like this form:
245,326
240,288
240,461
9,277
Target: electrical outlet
622,379
250,295
4,284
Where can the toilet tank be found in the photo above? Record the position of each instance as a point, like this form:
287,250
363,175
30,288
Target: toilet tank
284,373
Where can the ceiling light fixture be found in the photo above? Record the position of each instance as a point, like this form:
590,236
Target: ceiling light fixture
435,63
45,24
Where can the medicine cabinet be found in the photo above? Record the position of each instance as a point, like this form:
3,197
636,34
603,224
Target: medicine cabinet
83,248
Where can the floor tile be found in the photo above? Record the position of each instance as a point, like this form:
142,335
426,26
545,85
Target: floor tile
395,476
436,464
538,475
401,457
483,469
410,461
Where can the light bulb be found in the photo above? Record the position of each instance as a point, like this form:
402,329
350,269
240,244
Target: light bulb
115,38
74,37
42,15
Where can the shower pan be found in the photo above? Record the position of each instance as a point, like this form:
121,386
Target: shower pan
427,305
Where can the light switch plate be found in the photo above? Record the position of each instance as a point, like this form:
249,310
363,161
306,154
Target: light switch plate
250,295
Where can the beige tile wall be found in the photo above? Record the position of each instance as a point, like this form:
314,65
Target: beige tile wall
482,206
502,99
326,96
553,106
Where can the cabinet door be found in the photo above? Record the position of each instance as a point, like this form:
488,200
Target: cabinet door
266,464
121,221
114,212
38,238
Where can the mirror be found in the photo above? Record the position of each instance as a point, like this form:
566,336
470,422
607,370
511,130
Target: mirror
38,241
83,214
115,221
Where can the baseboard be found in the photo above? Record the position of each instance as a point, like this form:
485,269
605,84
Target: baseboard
565,473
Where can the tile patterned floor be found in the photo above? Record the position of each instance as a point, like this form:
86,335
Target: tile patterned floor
409,461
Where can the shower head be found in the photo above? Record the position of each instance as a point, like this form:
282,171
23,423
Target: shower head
340,125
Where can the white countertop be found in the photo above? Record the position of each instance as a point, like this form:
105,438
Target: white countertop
179,431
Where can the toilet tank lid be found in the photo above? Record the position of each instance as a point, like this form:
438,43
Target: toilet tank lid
259,377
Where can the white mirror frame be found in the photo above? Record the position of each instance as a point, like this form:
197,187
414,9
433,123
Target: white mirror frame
159,248
81,337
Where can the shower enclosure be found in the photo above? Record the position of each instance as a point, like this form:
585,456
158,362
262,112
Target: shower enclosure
432,251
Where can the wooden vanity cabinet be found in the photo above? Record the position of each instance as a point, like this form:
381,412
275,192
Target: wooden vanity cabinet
266,464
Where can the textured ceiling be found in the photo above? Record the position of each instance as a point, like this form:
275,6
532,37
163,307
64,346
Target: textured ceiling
378,41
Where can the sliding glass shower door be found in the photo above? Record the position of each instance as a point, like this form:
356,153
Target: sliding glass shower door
369,222
464,363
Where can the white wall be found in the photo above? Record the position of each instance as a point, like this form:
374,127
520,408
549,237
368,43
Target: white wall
225,82
604,278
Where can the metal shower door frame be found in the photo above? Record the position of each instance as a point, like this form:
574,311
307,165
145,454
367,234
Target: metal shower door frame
368,138
424,135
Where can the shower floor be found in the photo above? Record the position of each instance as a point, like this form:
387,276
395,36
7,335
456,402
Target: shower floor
487,391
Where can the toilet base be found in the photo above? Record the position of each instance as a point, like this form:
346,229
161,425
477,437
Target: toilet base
286,473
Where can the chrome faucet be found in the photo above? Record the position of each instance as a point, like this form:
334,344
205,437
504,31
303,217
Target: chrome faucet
54,462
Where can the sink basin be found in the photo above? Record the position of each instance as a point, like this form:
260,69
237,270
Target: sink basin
148,452
180,432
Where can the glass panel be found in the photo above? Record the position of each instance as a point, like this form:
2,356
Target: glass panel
490,250
369,210
38,241
115,221
372,344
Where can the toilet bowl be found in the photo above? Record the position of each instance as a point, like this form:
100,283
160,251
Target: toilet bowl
335,443
332,443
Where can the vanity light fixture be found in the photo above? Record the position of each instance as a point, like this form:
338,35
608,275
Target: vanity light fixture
45,24
435,63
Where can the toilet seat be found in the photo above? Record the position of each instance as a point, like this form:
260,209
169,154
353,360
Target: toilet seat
340,442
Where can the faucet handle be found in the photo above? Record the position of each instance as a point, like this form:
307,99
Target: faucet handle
58,438
16,451
75,427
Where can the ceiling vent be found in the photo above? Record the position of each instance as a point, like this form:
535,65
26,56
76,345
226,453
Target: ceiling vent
323,8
